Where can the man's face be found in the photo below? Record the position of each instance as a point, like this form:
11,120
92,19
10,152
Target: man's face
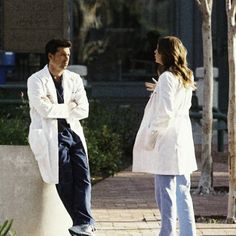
60,59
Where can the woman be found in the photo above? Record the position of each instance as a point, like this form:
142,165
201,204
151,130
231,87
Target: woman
164,144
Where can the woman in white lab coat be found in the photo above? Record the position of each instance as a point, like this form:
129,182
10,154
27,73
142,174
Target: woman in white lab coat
164,144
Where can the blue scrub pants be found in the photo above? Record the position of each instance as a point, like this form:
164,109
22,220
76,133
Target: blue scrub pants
174,201
74,187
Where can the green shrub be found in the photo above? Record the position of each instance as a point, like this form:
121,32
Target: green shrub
5,229
13,132
14,125
105,151
125,121
110,131
122,120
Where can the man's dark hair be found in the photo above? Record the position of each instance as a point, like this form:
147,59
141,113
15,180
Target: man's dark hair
53,45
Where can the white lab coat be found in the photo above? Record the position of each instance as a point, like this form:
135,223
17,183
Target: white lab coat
164,142
43,132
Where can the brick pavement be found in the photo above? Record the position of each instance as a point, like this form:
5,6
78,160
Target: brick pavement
125,205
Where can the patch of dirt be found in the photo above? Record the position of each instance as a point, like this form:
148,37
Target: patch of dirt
211,219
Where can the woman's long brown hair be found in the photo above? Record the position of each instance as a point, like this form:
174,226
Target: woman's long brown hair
174,58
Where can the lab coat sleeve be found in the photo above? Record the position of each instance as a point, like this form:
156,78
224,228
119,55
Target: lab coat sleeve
39,100
79,96
164,109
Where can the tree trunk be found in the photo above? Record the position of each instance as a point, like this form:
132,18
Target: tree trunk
230,9
89,20
205,185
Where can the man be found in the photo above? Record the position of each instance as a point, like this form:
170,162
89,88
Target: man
58,101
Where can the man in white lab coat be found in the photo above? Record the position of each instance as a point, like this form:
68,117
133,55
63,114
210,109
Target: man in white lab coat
58,102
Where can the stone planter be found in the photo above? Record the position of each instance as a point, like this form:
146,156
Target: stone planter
34,205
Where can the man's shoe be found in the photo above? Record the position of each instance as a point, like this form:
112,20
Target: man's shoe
82,230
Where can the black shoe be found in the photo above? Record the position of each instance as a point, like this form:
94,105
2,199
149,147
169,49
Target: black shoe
82,230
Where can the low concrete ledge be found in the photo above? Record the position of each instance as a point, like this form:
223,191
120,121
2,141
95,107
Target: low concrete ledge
34,205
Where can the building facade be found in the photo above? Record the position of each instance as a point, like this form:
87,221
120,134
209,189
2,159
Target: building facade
116,40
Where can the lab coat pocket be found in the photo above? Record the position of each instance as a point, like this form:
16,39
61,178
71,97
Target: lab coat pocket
150,140
38,143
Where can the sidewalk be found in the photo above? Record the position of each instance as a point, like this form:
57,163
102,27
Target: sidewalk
125,205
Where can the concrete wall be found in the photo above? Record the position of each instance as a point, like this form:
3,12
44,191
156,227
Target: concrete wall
34,206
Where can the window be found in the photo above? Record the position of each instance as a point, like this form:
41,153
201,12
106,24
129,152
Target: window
116,38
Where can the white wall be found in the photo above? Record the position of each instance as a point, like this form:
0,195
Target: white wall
34,206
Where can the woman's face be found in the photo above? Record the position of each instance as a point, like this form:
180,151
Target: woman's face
158,57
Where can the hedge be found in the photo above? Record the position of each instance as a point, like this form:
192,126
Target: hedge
110,131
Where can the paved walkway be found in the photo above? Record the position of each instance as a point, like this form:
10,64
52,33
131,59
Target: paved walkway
125,205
